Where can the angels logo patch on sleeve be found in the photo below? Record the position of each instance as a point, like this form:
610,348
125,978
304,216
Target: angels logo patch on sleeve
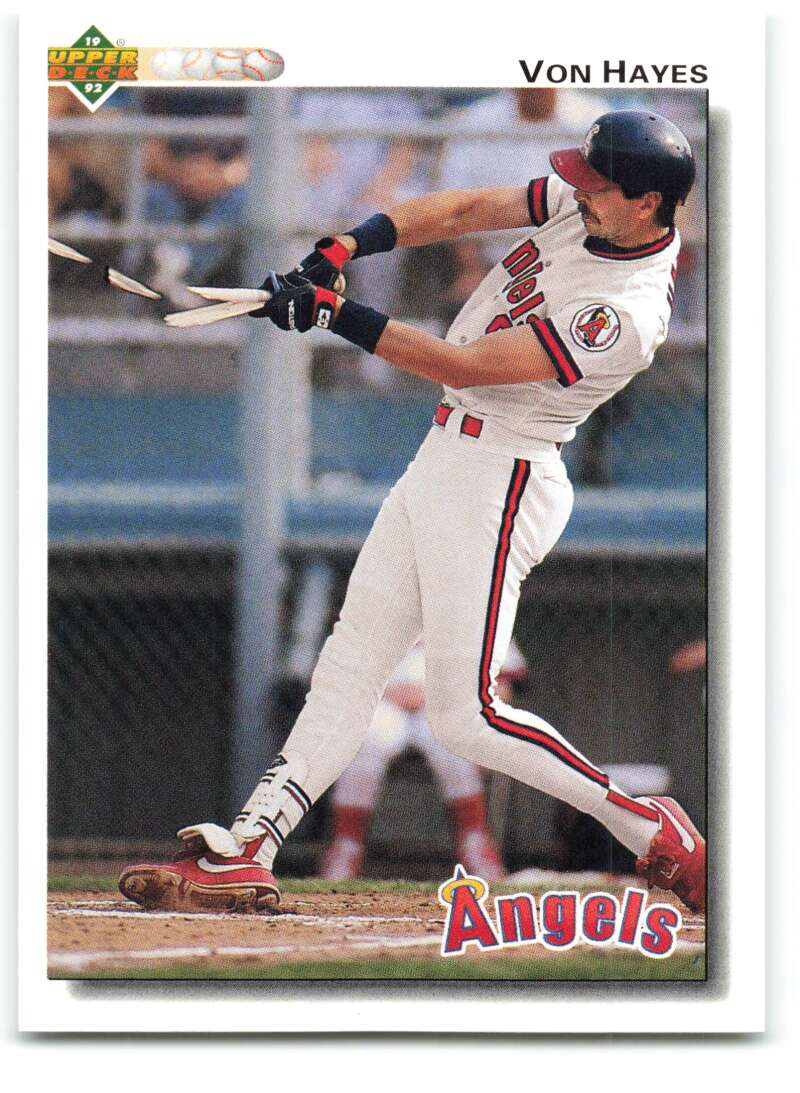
595,327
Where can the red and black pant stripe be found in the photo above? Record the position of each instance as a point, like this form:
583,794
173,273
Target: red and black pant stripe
537,736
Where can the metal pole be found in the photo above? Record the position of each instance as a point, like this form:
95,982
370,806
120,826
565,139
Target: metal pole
267,367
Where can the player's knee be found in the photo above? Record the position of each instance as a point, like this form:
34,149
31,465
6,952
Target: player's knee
343,660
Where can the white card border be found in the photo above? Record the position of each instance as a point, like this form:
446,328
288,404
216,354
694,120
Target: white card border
351,54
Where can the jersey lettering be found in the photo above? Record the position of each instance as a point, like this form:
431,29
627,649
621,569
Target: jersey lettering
521,257
587,313
527,305
499,322
524,266
671,286
520,290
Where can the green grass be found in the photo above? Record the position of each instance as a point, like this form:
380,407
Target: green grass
105,882
575,966
354,887
77,882
568,966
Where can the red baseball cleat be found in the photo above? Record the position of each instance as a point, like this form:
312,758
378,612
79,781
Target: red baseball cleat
204,882
676,857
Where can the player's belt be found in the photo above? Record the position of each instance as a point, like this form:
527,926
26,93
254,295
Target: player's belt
470,426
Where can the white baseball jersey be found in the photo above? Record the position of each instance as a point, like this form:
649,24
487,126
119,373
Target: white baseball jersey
599,311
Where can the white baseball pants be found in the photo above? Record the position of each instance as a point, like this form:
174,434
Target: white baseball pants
445,560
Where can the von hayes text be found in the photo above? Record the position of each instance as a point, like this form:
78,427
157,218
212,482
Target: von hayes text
614,72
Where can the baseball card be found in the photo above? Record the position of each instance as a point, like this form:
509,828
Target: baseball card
382,524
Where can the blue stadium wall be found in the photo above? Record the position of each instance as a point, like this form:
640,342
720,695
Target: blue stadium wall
144,520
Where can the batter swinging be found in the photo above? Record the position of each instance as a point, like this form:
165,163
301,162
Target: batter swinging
574,310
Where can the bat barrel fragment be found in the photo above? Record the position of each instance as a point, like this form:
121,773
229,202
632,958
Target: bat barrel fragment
63,251
128,284
202,316
241,295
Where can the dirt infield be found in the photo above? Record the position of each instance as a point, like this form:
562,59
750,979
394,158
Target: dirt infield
328,934
334,925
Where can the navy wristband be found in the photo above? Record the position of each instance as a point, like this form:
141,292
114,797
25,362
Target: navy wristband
374,236
360,325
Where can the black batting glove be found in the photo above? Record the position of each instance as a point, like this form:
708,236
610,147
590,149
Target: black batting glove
323,267
296,303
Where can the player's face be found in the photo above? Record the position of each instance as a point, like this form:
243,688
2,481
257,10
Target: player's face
609,214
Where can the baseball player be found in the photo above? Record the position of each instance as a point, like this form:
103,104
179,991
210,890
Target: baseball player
400,723
577,306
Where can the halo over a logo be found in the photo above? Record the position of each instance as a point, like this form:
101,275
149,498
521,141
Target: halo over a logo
595,327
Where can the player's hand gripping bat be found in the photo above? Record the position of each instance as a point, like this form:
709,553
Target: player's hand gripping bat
323,268
233,302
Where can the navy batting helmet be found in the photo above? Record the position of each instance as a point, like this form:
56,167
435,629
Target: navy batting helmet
640,151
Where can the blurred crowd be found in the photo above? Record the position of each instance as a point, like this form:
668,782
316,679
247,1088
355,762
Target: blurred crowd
200,184
345,176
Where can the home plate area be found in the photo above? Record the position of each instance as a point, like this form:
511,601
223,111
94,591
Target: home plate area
335,934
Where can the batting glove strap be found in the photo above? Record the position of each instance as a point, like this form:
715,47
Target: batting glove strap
360,325
335,252
323,266
374,236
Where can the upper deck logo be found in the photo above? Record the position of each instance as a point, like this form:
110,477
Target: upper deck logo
92,66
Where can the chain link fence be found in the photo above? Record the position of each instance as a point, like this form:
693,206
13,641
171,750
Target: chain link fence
141,686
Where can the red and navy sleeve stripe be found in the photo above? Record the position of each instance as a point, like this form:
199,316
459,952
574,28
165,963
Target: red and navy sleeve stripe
567,371
537,201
